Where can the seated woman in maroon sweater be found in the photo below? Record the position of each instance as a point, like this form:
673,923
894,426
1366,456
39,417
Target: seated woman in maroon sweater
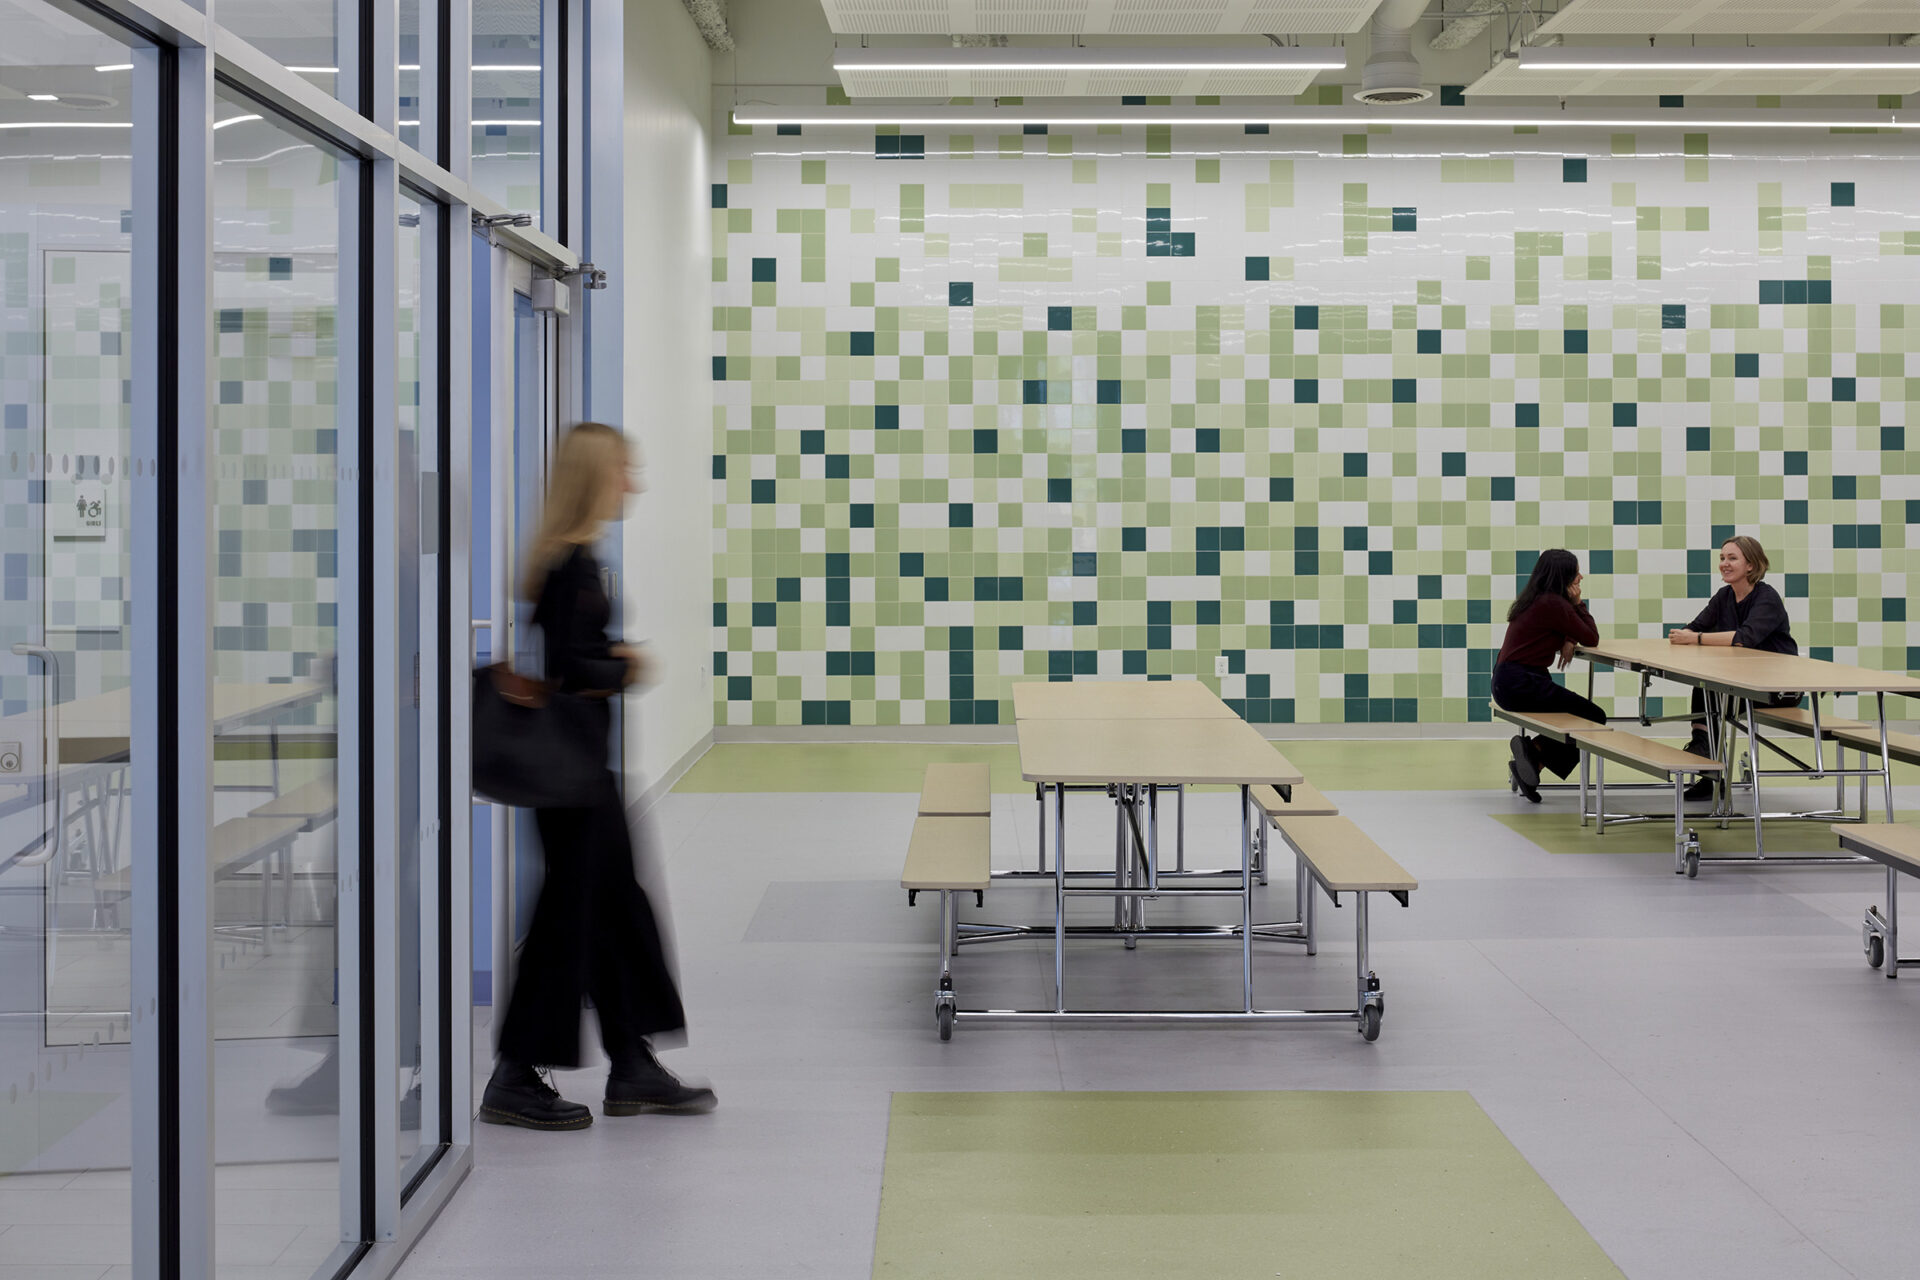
1545,623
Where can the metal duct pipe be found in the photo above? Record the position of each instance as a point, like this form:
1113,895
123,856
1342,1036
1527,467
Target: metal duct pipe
710,16
1466,24
1391,75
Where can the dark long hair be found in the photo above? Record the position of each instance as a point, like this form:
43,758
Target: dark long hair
1553,573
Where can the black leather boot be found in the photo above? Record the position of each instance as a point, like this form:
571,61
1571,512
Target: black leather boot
518,1095
640,1084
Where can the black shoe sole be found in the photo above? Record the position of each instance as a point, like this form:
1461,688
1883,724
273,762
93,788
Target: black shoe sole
695,1107
1524,771
493,1115
1529,792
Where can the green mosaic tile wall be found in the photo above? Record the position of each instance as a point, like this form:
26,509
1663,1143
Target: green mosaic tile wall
1120,402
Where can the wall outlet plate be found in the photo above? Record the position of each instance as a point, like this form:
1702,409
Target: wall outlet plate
1220,665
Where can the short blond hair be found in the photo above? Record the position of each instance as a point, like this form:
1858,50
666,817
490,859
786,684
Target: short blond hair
1756,556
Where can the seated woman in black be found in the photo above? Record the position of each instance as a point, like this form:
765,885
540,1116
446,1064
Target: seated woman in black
1745,612
1545,623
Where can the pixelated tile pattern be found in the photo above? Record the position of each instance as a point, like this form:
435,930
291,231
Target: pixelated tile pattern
1128,402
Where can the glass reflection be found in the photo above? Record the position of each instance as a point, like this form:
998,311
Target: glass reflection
276,840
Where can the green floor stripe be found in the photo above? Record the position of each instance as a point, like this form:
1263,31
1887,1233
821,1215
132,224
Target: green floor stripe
1089,1186
1332,764
1561,832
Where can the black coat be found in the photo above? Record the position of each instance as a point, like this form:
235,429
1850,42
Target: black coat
1758,622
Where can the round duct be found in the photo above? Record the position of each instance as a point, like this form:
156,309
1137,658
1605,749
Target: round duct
1391,76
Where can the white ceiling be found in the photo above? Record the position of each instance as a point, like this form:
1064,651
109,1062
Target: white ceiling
1507,79
1097,17
1736,17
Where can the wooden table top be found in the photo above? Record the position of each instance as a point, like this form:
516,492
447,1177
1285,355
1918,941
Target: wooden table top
1118,700
1748,670
1195,752
101,726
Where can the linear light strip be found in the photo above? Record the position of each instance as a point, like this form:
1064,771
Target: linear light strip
1253,115
1324,64
1082,59
1730,58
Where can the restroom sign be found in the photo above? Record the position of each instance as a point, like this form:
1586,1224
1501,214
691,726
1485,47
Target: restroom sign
82,513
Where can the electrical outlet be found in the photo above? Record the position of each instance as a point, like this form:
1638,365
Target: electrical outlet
1220,665
10,757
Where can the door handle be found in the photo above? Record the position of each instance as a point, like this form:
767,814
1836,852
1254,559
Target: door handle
50,758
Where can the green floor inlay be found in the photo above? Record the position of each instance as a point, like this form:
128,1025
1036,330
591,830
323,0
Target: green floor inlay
1066,1186
1332,764
33,1122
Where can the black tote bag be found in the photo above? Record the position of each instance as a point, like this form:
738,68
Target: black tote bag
533,746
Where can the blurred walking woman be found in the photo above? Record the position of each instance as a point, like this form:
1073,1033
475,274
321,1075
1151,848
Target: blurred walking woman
1546,622
594,933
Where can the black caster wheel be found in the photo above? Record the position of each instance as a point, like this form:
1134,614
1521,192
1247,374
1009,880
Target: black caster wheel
946,1021
1693,864
1876,951
1370,1023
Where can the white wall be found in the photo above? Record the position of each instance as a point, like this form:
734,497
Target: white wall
668,387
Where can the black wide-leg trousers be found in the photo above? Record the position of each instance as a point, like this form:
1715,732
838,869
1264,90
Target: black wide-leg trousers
1519,688
594,936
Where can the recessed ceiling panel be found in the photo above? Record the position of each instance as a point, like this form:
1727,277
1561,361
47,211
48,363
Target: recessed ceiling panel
1508,79
1735,17
1080,72
1097,17
1073,84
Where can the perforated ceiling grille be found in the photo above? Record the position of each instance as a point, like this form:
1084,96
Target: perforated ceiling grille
1096,17
1506,79
1071,84
1736,17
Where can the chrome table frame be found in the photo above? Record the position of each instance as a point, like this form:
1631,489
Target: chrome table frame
1137,877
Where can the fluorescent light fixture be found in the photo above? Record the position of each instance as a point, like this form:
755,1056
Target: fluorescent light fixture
522,124
221,124
43,97
1235,117
116,66
315,71
507,66
66,124
1730,58
1080,59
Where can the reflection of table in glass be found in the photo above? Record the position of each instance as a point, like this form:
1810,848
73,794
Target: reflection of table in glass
1737,679
1131,739
85,746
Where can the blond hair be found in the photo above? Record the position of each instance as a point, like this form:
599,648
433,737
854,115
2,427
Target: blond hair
589,458
1755,557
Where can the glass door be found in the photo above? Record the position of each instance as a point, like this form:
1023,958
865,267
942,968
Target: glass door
514,426
69,601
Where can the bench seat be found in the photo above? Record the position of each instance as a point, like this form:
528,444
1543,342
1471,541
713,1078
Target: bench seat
233,846
317,800
948,853
1343,858
1893,844
1643,753
1307,802
1557,725
956,790
1800,720
1905,747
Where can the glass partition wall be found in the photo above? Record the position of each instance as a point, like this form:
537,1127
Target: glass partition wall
238,362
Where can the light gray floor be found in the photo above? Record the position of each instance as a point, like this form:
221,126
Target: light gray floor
1705,1071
